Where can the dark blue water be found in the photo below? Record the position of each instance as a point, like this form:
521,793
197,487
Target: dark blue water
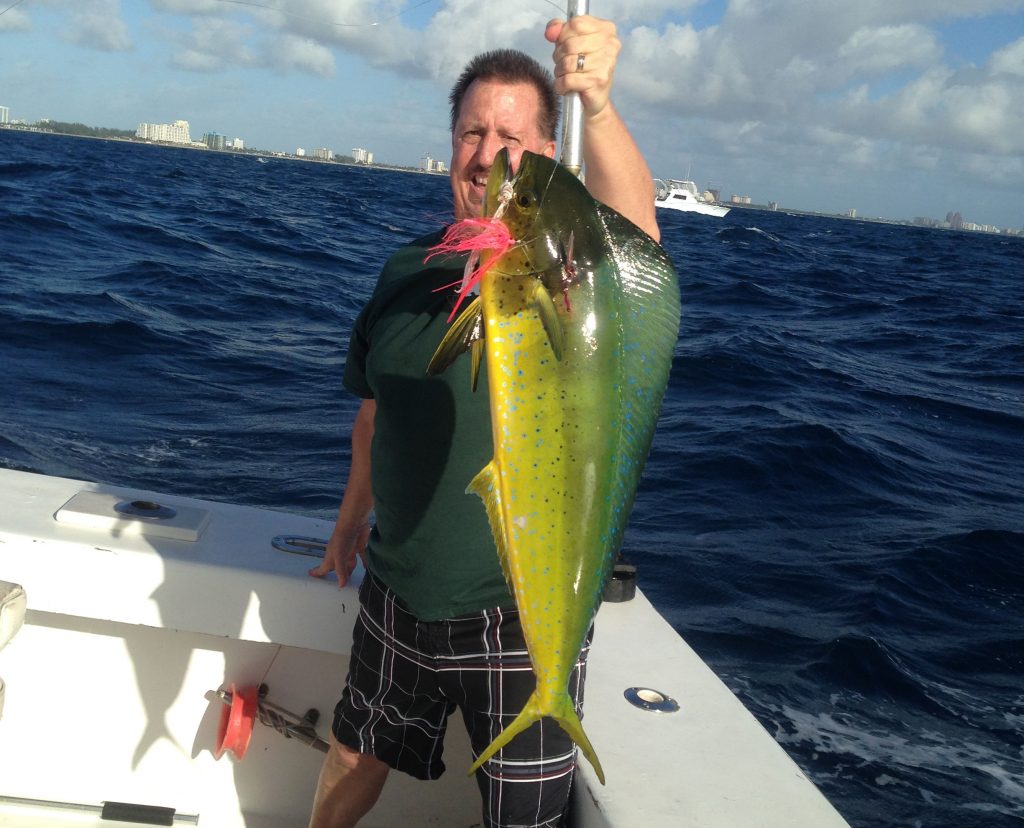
833,512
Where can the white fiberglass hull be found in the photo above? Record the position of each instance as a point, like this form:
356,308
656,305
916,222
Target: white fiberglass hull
702,208
109,684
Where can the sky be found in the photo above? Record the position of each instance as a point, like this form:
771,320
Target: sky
894,108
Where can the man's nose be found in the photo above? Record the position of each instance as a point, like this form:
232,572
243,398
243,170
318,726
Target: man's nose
487,150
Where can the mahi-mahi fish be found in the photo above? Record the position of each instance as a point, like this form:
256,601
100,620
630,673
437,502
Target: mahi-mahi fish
577,316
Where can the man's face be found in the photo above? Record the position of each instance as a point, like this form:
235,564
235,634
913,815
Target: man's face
492,115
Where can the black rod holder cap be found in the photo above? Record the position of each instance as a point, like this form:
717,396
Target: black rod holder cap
622,585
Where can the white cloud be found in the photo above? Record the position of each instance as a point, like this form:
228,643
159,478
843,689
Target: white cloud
843,15
856,81
967,112
626,12
1009,60
875,51
339,22
298,35
301,54
463,28
189,6
97,24
992,171
988,116
214,45
15,20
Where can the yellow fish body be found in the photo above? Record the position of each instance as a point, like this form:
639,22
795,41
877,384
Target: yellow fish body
579,320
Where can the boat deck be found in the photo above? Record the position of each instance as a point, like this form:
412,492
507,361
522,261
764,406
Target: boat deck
127,634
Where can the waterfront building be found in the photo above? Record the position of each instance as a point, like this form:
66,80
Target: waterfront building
215,141
323,154
238,144
428,164
5,115
362,156
300,153
176,133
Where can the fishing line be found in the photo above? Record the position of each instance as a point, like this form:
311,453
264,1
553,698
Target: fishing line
327,22
296,16
396,15
16,3
268,7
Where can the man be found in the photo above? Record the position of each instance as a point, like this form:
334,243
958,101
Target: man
434,591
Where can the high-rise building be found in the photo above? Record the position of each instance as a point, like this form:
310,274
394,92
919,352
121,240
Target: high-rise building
176,133
215,141
5,115
362,156
428,164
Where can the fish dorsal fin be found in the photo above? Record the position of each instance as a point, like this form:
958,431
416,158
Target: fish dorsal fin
485,484
647,298
464,334
545,306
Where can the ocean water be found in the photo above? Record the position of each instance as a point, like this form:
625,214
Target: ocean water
832,514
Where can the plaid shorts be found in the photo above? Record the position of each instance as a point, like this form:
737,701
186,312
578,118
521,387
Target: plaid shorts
407,676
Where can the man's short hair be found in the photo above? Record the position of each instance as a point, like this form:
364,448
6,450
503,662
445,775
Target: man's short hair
510,66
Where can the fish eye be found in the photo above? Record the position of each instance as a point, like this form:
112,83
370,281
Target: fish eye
526,200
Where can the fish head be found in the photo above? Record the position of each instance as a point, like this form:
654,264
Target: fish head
546,210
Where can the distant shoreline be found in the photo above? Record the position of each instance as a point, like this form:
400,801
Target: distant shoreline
283,156
255,153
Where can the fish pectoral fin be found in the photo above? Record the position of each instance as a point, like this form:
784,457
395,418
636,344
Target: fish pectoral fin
476,355
465,332
485,484
545,306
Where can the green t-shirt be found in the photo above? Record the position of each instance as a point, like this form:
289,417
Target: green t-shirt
431,543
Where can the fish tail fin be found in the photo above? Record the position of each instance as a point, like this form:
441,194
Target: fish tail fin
527,716
567,719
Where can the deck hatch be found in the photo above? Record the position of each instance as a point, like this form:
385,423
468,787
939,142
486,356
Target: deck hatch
121,514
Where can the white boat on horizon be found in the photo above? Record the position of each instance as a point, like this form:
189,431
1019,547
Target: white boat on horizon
134,621
683,195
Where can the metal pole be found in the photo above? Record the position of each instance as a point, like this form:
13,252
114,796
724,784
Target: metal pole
572,110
